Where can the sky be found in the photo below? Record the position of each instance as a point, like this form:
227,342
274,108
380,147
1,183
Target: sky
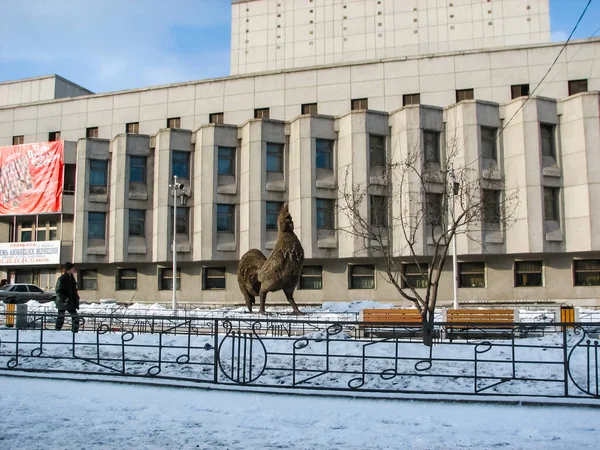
109,45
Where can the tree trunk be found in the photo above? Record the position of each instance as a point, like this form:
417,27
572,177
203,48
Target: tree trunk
427,328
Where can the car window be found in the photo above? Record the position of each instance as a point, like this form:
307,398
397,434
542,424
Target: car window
6,287
34,288
21,288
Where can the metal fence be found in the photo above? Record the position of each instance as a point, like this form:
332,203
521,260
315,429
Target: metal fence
533,360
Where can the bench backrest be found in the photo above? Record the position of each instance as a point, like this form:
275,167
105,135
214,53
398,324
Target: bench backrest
481,316
391,316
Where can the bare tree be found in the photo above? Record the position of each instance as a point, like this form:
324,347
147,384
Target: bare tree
419,204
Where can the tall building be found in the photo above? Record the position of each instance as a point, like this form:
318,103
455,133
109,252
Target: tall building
241,145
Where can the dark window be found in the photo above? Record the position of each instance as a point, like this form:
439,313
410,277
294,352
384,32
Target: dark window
216,118
324,154
432,146
528,273
464,94
54,136
91,132
361,277
311,277
226,161
274,157
69,179
577,86
127,279
491,206
488,143
359,103
98,172
18,140
88,280
180,164
20,288
96,225
547,137
551,203
34,288
273,209
519,90
26,231
377,150
587,272
137,169
214,278
415,275
261,113
166,279
433,209
325,217
183,220
132,128
225,218
309,108
411,99
379,211
471,275
137,222
174,122
46,231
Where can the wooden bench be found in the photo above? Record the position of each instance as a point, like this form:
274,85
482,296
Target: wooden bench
390,322
479,322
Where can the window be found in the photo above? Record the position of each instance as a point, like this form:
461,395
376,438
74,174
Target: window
26,232
98,172
214,278
216,118
127,279
273,209
433,209
377,150
491,206
96,225
471,275
547,138
528,273
54,136
174,122
488,143
379,211
18,140
166,279
464,94
587,272
261,113
415,275
309,108
551,203
180,164
225,218
137,222
274,157
411,99
132,128
359,103
431,141
361,277
88,280
91,132
311,278
578,86
519,90
46,231
182,225
137,169
69,179
226,161
324,158
325,218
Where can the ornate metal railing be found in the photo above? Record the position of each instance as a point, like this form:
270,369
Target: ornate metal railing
532,360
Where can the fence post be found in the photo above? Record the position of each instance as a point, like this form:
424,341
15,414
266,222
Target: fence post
216,351
565,359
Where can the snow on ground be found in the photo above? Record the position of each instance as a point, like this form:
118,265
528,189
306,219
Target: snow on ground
50,414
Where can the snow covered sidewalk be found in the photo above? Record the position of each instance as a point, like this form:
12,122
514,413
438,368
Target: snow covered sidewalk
48,414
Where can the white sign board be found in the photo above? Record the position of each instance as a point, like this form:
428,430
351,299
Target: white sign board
29,253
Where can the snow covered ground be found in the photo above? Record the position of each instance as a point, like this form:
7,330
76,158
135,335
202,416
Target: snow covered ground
53,415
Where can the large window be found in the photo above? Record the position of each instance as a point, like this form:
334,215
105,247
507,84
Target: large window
488,143
519,90
471,275
137,222
127,279
69,179
578,86
226,161
551,203
98,172
214,278
379,211
311,277
325,214
225,218
180,164
166,279
47,231
274,157
491,206
547,138
432,146
528,273
273,209
182,226
586,272
26,232
96,225
415,275
377,150
361,277
88,280
324,158
137,169
434,209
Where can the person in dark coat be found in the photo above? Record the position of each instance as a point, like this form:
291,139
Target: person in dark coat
67,298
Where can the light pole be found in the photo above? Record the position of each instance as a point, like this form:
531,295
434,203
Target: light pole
176,189
455,188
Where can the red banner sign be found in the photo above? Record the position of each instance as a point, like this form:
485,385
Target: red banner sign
31,178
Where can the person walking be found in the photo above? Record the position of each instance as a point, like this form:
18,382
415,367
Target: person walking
4,282
67,298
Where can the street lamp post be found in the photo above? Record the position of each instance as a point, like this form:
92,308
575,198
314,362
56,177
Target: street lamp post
455,188
178,190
